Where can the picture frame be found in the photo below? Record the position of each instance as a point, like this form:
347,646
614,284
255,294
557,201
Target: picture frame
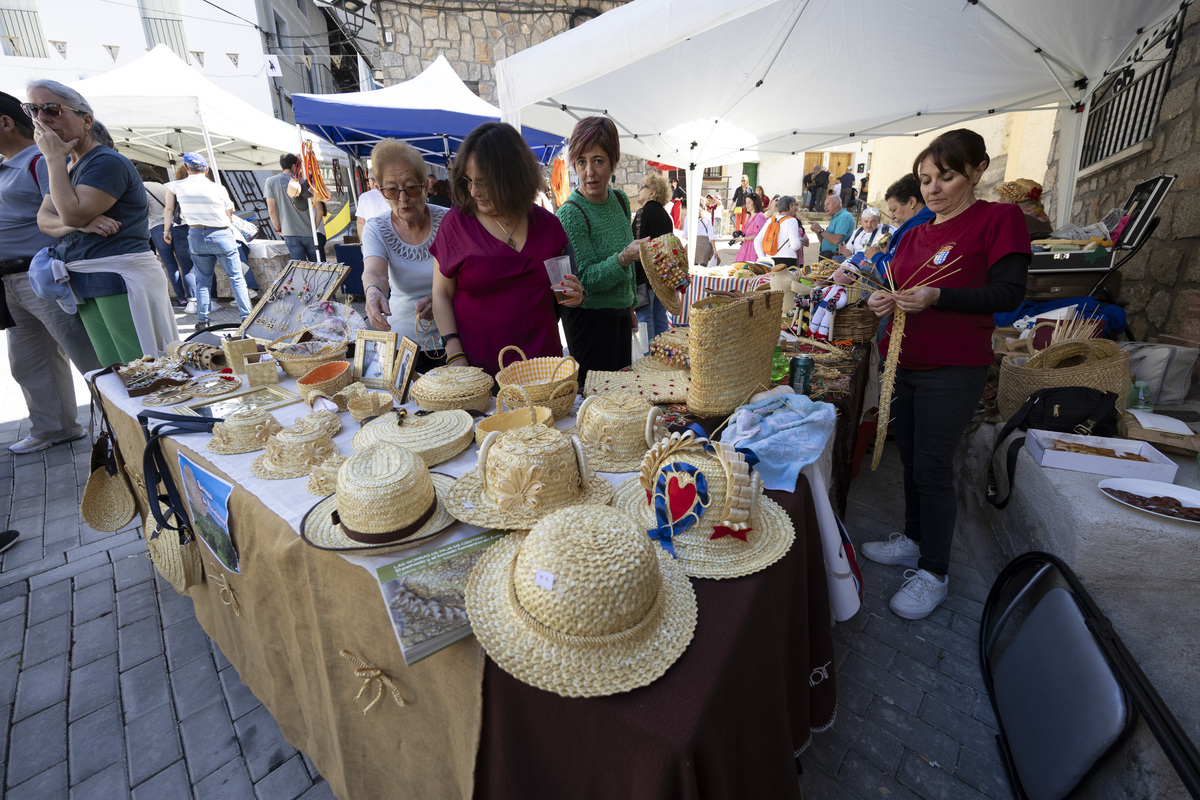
299,285
374,358
402,372
265,397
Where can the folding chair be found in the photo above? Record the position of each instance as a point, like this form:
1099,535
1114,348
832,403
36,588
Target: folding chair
1064,688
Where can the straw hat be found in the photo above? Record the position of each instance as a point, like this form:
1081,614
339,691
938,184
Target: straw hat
1021,189
435,437
670,348
583,605
293,451
369,404
617,429
723,525
523,475
386,500
324,419
243,431
322,481
665,263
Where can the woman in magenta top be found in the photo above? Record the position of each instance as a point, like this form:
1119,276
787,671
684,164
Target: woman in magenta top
757,219
982,250
490,286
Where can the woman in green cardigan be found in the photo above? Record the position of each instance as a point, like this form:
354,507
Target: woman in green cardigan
597,221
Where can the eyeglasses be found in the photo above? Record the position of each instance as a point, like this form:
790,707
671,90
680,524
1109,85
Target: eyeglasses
471,185
51,110
392,192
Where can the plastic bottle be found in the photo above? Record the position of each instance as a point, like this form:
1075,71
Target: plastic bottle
779,366
1140,399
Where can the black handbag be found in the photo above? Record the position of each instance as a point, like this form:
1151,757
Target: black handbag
1068,409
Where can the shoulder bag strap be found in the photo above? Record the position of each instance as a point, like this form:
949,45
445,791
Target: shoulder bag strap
1017,420
1106,406
581,211
156,470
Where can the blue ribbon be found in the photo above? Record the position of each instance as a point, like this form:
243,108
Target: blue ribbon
666,527
747,453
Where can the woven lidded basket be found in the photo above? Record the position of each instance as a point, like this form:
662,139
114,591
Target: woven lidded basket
297,365
450,388
730,342
1091,363
327,379
857,324
547,381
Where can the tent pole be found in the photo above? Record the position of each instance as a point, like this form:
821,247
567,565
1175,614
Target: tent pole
312,203
692,212
212,158
1070,149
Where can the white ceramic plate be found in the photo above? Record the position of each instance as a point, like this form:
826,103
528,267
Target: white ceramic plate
1186,496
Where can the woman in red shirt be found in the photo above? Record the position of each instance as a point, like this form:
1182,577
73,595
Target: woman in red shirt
946,349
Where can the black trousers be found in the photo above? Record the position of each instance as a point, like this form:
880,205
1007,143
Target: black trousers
931,409
598,338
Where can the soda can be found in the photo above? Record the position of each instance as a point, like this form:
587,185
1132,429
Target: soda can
800,370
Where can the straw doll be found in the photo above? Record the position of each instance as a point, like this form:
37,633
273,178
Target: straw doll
829,300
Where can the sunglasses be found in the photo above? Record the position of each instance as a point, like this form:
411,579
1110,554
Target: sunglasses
51,110
392,192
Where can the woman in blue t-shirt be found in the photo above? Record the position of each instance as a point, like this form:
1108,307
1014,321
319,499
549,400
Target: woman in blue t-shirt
97,207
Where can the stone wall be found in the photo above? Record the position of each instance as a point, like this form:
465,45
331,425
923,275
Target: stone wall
1162,284
473,37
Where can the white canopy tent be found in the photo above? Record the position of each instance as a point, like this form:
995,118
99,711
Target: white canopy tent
708,82
158,108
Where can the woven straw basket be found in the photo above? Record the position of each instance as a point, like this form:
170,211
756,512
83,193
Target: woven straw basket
730,343
297,366
1091,363
549,382
510,420
449,388
856,324
327,379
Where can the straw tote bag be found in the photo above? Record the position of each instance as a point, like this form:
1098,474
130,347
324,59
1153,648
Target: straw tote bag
107,504
730,342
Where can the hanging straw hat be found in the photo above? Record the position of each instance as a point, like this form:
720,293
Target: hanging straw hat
713,514
583,605
293,451
523,475
243,431
386,500
322,481
436,437
665,262
617,429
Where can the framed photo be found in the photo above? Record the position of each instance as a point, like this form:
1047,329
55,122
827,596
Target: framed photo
374,357
300,285
264,397
406,359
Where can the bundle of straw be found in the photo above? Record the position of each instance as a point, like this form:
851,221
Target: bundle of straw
1077,326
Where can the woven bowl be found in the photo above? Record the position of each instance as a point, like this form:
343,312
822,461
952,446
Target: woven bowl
298,365
327,379
510,420
450,388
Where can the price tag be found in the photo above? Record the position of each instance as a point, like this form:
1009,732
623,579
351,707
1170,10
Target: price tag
544,579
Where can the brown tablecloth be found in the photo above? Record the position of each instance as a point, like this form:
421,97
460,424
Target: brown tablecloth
724,721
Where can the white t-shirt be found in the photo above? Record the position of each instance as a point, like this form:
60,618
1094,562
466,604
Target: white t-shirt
201,201
410,270
704,230
372,204
861,239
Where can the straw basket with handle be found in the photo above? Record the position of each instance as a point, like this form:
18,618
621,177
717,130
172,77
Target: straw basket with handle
297,365
523,414
1092,363
547,381
730,342
858,324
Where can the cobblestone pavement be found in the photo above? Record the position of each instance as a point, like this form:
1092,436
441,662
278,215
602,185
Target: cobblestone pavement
109,688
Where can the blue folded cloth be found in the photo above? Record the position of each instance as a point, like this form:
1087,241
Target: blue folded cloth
49,280
785,430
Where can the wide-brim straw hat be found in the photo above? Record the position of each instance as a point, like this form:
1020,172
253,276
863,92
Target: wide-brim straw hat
736,507
322,481
583,605
523,475
435,437
243,431
665,262
294,451
386,500
617,429
670,348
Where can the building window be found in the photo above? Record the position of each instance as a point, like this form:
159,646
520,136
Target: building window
712,172
1124,108
164,25
312,78
20,26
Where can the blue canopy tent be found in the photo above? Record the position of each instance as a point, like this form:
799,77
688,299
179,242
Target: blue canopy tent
433,112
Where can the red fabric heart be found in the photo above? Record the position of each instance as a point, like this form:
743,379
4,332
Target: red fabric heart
680,499
720,531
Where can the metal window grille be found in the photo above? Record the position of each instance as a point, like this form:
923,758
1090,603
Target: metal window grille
712,172
21,20
1125,107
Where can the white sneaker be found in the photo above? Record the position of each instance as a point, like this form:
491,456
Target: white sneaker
190,308
920,594
253,293
898,549
213,305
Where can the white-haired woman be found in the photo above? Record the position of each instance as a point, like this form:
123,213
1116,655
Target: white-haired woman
649,222
397,265
97,207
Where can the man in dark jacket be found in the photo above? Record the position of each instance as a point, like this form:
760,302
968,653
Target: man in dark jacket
820,188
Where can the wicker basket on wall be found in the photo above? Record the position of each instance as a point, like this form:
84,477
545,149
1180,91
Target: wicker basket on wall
1092,363
730,343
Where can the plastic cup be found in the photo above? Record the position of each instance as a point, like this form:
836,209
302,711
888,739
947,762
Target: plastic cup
558,268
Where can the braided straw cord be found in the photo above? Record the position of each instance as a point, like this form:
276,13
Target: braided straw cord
886,385
369,672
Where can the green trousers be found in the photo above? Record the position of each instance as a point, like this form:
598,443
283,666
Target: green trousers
110,327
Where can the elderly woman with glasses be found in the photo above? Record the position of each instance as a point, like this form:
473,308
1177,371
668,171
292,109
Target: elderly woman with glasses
490,287
397,263
97,207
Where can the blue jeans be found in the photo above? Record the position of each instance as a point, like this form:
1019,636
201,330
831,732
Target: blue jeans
176,258
654,316
301,248
208,247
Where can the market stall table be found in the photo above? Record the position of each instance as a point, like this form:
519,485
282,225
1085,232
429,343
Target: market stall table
285,621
